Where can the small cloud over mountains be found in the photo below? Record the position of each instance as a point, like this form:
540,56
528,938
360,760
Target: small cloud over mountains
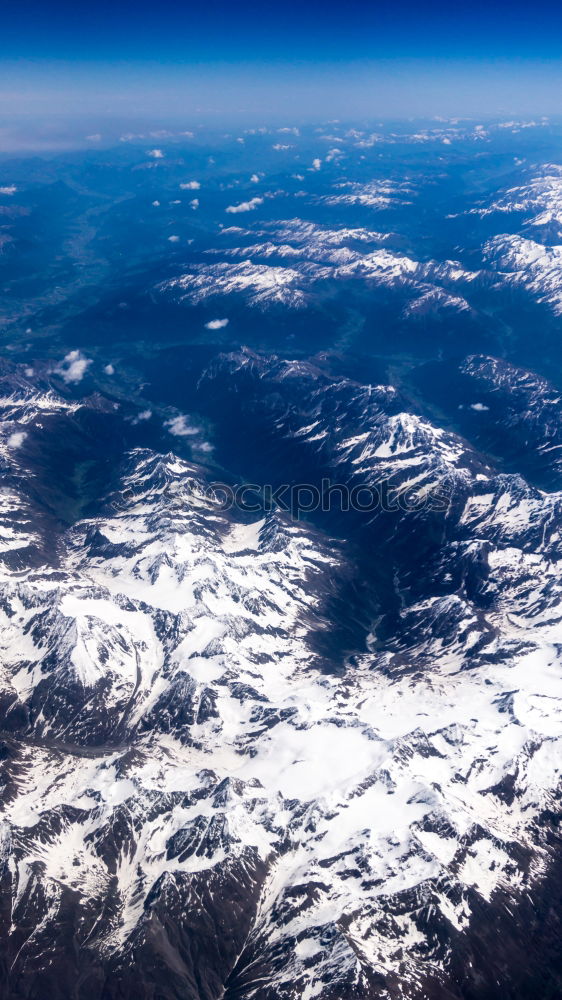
245,206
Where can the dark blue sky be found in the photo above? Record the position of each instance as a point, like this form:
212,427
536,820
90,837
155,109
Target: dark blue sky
245,30
396,58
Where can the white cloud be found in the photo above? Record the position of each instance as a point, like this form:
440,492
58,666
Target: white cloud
94,138
190,186
479,407
156,154
245,206
194,203
156,204
280,146
143,415
255,179
8,189
180,427
216,324
109,370
73,367
16,439
316,164
173,239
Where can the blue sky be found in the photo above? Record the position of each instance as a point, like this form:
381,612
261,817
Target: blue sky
244,31
386,59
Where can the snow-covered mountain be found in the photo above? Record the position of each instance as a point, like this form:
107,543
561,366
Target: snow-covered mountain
211,788
539,198
295,260
529,254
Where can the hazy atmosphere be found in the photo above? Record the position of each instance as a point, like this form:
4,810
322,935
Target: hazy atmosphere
308,61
